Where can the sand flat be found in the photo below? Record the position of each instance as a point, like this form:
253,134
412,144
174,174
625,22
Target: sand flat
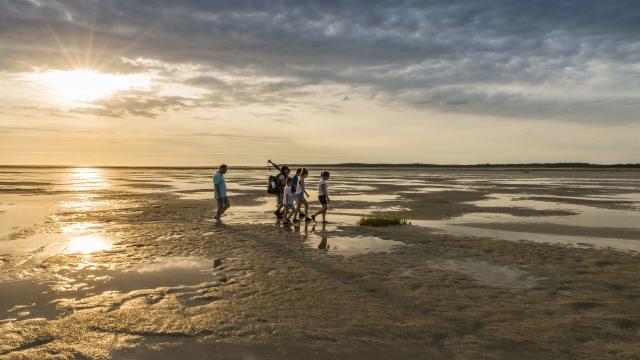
168,282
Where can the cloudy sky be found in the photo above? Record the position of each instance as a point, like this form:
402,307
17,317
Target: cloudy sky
194,82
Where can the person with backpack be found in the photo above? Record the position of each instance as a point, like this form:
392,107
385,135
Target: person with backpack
279,183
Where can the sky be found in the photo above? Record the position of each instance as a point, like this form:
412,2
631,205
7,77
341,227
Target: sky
195,82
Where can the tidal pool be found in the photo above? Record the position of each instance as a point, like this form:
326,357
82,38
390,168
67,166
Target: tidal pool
351,245
35,297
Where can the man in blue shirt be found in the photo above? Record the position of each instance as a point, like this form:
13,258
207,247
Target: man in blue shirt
220,191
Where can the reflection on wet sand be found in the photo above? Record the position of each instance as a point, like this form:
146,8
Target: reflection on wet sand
342,244
88,244
38,299
86,179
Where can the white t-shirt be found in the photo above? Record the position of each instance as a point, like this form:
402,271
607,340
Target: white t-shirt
323,187
299,187
288,195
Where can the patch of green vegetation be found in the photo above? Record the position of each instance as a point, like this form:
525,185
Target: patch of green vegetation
382,221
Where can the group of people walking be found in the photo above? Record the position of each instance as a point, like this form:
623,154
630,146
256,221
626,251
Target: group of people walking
290,193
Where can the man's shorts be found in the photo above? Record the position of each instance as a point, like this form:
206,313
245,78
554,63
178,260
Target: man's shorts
280,198
323,199
289,206
223,201
299,197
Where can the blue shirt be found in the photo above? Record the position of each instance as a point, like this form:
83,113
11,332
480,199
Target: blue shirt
218,179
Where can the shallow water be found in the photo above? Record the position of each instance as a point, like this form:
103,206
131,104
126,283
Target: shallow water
584,216
350,245
31,298
31,198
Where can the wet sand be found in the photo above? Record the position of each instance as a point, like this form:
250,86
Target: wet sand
141,272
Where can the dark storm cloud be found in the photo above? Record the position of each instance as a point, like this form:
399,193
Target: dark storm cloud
433,54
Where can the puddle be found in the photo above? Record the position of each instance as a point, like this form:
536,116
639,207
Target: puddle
586,216
75,238
487,273
32,298
18,211
351,245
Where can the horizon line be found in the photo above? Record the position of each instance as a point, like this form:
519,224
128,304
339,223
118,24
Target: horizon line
357,164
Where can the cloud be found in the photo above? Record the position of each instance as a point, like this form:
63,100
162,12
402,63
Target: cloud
235,136
442,55
137,103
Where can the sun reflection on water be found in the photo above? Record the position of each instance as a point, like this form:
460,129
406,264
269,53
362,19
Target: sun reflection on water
88,244
86,179
84,202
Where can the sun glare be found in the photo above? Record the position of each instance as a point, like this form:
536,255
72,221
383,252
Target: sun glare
81,87
86,179
88,244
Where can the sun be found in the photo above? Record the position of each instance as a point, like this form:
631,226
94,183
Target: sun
80,87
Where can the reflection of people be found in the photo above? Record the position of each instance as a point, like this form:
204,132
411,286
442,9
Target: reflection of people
323,196
220,193
323,242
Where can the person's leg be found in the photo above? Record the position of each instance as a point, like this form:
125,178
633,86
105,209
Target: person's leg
297,210
323,202
321,211
219,210
306,209
279,200
324,212
227,205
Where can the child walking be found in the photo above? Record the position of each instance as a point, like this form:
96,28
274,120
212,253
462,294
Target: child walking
288,202
323,196
300,194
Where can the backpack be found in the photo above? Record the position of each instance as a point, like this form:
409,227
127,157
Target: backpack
272,186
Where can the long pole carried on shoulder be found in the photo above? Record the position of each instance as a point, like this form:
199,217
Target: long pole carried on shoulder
273,164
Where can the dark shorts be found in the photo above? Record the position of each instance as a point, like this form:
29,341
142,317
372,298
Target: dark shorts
323,199
279,198
223,201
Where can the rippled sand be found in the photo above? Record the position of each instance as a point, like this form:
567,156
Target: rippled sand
126,263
